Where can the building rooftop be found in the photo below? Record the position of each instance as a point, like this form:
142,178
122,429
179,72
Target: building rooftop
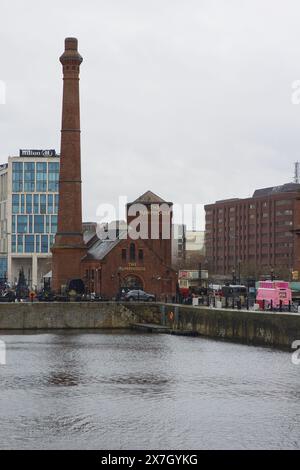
149,198
285,188
264,192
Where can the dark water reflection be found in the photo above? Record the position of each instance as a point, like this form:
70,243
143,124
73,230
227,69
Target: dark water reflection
120,390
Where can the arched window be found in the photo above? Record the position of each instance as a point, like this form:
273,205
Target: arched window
132,252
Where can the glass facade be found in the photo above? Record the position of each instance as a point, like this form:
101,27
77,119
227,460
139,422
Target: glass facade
34,206
39,177
3,267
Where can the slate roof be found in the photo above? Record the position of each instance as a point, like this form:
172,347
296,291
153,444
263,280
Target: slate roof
101,248
149,198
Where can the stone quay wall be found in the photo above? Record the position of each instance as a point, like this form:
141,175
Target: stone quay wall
257,328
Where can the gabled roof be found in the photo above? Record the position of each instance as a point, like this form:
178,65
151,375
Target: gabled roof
149,198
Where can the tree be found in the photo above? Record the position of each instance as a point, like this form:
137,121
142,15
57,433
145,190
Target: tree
22,288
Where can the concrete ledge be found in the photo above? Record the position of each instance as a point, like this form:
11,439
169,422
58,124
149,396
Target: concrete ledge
77,315
258,328
250,327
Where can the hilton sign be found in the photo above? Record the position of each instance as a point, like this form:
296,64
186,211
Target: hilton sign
37,153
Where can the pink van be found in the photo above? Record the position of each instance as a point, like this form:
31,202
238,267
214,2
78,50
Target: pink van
274,291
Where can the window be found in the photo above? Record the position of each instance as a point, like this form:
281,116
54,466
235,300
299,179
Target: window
29,243
124,255
252,206
44,244
54,224
53,176
50,204
141,255
132,252
3,267
20,243
29,177
286,212
36,204
15,203
284,222
22,224
28,203
56,204
37,243
41,177
51,240
43,205
13,224
286,234
30,224
39,224
22,204
283,202
47,223
17,176
13,243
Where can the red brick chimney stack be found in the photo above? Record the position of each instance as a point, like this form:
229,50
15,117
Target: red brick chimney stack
69,247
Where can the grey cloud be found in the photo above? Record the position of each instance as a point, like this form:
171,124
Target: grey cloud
188,98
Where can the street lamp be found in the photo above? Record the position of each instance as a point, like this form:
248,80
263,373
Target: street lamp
239,271
200,274
98,280
233,277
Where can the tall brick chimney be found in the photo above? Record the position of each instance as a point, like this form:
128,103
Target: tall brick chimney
69,248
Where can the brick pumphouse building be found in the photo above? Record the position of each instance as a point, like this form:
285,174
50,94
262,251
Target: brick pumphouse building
256,235
119,262
109,263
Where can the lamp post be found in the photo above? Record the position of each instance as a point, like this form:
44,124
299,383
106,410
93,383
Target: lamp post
98,280
239,271
119,277
200,274
233,277
272,274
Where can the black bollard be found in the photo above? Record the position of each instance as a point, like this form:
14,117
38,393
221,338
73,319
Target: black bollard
271,305
290,305
280,306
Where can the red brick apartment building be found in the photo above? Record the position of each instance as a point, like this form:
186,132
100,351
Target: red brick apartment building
255,235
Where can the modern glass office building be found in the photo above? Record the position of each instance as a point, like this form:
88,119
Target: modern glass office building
30,216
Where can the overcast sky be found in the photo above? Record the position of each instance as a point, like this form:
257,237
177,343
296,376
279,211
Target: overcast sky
188,98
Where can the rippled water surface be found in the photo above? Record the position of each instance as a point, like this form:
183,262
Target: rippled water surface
115,390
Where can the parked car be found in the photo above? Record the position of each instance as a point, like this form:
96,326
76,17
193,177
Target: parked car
139,295
8,296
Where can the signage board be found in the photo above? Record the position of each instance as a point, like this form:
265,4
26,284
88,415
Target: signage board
37,153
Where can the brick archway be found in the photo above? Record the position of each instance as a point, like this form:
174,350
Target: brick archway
133,281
